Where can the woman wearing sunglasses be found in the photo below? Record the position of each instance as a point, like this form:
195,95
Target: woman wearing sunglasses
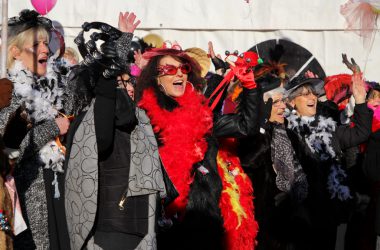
168,92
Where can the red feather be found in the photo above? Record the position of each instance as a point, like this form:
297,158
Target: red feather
237,237
338,87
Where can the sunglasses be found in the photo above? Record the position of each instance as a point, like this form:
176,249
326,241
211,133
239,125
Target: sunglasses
172,70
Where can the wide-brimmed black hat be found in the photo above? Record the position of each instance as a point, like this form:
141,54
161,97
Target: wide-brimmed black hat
268,82
296,82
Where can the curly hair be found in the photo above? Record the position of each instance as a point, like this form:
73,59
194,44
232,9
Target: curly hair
148,76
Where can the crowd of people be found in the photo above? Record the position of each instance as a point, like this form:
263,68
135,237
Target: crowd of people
154,151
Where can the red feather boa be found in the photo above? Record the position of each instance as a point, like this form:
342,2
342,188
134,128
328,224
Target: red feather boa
236,202
183,133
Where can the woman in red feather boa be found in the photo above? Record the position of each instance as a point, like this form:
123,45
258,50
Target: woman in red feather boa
194,214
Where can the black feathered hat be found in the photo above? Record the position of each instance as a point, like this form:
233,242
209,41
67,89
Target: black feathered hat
301,80
29,19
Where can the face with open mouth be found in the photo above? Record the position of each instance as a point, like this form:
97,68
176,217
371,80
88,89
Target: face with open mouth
278,109
34,55
172,76
305,103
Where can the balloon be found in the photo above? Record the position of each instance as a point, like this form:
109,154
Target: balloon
154,40
43,6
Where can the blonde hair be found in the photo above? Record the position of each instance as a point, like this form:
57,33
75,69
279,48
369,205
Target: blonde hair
19,40
373,94
71,53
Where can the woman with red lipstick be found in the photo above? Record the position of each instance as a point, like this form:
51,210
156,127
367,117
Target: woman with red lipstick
169,92
318,143
30,125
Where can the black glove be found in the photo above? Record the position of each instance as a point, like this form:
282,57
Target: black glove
265,112
112,63
219,64
109,49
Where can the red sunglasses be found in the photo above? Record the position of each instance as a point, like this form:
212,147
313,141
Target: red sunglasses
172,70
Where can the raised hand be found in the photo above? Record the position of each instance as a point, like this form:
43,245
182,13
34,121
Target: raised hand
127,22
246,77
217,61
139,60
358,88
351,65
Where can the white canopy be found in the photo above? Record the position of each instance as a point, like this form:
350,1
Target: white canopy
229,24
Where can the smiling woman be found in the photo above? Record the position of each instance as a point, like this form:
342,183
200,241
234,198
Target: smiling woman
172,77
199,209
318,142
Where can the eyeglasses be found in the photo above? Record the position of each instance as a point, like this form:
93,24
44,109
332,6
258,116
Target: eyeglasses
172,70
122,82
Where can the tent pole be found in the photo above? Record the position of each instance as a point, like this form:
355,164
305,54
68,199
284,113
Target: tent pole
4,38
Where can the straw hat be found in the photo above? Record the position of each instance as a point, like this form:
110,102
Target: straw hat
201,57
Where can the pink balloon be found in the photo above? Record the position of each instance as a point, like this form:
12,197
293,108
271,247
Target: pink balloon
43,6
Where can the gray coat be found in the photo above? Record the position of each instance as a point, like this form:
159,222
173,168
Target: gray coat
81,189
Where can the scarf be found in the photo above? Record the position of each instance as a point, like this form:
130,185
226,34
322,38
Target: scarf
317,133
183,133
42,97
290,177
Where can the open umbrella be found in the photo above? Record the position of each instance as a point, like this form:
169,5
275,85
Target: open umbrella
296,58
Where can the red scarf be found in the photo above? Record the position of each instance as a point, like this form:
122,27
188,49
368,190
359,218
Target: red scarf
183,133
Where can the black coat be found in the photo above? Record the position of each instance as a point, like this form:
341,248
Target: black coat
282,219
326,213
114,116
371,168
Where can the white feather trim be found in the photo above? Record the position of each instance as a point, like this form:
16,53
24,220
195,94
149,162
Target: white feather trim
41,103
52,156
318,137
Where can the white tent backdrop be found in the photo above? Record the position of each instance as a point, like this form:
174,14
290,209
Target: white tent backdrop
229,24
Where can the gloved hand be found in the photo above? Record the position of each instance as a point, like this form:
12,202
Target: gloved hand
113,65
265,112
219,64
245,76
6,88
